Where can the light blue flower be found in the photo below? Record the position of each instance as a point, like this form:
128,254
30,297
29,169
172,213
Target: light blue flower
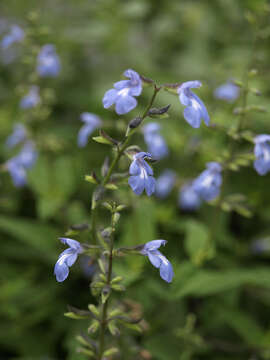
15,35
32,99
28,155
165,183
18,165
195,109
158,260
123,93
48,62
18,135
92,122
189,199
228,92
155,142
142,175
16,171
67,258
207,185
262,153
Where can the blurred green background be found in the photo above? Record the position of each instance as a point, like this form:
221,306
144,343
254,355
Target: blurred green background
218,306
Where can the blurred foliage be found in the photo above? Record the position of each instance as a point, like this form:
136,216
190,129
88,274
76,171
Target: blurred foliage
218,305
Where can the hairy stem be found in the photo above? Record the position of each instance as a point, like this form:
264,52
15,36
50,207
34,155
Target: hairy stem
105,305
120,152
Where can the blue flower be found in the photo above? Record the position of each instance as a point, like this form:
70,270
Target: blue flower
262,153
142,175
67,258
92,122
189,199
18,135
16,34
158,260
32,99
195,109
123,93
228,92
164,183
18,165
155,142
28,155
207,185
16,171
48,62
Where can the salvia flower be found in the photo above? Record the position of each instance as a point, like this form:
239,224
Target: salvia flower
15,35
165,183
158,260
18,165
18,135
48,62
228,92
155,142
123,93
262,153
16,171
189,199
67,258
195,109
91,122
207,185
141,175
32,99
28,155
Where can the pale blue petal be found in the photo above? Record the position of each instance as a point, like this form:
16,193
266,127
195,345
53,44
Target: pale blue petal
120,85
109,98
154,259
166,270
137,184
74,244
192,116
125,104
153,245
134,168
150,184
84,134
262,138
61,271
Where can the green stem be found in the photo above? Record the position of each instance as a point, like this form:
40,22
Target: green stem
106,179
120,152
105,305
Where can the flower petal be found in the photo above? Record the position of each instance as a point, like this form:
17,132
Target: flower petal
109,98
61,271
149,184
137,184
125,104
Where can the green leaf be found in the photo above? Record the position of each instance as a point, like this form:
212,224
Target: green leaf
41,237
197,242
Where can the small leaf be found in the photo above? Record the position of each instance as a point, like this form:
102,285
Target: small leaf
110,352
